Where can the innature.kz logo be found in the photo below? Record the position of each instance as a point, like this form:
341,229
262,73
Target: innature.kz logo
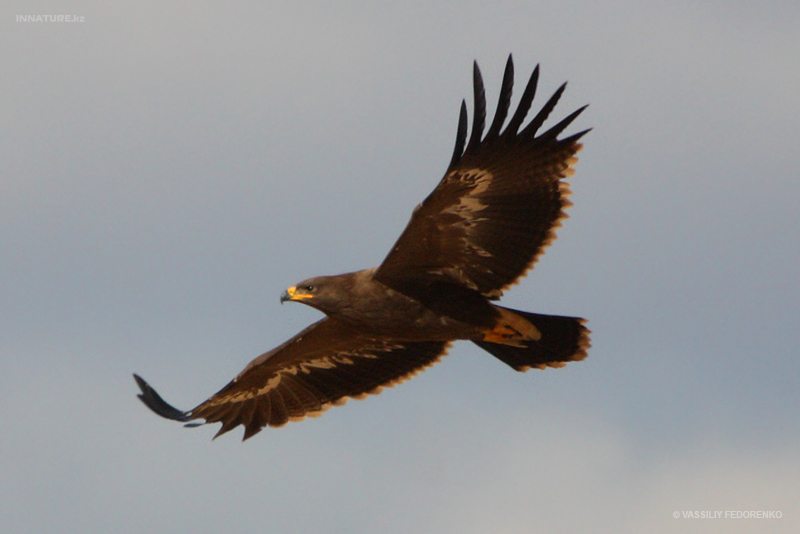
51,18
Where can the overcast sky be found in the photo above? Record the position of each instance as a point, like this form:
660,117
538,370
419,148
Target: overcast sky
168,171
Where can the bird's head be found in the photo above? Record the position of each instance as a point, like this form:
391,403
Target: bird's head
321,292
328,294
303,291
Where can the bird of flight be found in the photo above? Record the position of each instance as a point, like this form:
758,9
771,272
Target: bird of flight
477,233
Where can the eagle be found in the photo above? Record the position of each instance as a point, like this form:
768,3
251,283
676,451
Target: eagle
481,229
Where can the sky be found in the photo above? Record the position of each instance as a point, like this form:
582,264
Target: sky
167,171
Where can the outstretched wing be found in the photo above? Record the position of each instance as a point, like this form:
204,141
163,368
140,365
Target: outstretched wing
497,207
323,365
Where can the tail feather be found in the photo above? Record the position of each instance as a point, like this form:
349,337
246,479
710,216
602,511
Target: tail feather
563,340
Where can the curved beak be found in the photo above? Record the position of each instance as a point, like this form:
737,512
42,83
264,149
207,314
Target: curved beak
292,294
288,294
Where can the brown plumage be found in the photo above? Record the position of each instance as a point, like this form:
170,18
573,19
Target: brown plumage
486,223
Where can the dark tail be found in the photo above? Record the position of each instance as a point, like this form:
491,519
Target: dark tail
564,339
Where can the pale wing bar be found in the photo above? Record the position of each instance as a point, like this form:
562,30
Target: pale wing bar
304,377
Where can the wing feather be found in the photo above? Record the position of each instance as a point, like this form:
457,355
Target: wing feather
480,109
536,123
524,104
498,205
503,103
323,365
461,134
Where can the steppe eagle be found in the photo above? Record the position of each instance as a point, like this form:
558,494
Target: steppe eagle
483,226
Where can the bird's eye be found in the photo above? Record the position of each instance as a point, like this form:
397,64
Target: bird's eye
308,288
